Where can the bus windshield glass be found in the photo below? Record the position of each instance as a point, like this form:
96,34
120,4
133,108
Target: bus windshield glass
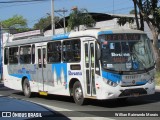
126,52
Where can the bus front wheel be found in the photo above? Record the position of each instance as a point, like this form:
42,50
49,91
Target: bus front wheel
78,93
26,88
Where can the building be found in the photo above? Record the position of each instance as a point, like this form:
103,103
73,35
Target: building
102,20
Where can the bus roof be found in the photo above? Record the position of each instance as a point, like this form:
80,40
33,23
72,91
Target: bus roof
85,33
94,33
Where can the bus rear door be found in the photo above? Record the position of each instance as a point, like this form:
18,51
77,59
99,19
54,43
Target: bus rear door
41,67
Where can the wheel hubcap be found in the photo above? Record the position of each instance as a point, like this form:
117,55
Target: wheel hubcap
26,89
78,94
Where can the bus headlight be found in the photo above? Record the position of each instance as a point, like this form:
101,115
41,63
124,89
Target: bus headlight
151,80
109,82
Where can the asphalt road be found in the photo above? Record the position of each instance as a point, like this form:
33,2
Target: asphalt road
96,108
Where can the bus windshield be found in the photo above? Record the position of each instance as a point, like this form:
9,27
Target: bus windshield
126,52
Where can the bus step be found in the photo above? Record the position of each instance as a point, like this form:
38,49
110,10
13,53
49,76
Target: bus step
45,93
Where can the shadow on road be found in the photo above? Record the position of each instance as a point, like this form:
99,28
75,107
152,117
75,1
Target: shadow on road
133,101
49,97
114,103
19,109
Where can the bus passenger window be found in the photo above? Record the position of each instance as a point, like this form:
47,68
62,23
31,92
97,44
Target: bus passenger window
6,54
71,51
54,52
13,55
25,54
33,54
44,57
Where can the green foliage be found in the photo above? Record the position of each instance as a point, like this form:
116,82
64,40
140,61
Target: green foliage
151,8
157,18
19,30
88,20
80,17
132,12
44,22
74,19
151,14
15,24
17,21
123,20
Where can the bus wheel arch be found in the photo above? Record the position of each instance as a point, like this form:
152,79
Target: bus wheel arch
77,92
71,83
26,87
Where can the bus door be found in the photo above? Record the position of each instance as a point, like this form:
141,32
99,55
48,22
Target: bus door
41,77
89,67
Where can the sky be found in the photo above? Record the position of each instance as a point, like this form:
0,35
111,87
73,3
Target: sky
33,11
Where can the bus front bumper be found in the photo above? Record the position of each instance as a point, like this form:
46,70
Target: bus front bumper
121,92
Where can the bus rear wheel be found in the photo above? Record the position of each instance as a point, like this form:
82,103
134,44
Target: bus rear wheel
26,88
78,94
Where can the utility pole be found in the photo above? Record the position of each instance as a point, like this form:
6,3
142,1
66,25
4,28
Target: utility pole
52,17
113,13
64,21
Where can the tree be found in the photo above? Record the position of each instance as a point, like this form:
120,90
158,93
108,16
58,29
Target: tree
132,12
137,13
136,16
122,20
44,22
80,17
150,11
16,22
141,17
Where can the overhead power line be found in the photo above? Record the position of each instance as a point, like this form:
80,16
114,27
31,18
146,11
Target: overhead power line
21,1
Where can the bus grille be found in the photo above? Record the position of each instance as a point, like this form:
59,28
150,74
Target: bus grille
133,92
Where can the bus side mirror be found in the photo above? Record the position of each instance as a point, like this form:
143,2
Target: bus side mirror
98,51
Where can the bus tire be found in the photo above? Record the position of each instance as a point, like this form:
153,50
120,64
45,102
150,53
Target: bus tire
78,94
26,88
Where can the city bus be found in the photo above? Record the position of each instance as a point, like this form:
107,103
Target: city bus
96,64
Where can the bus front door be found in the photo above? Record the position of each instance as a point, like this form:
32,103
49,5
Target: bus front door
89,58
42,57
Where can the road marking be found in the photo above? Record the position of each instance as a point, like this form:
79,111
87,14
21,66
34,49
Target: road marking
72,118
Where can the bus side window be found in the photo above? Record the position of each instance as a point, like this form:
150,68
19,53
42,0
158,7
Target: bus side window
6,55
71,51
77,50
13,55
54,52
33,54
25,54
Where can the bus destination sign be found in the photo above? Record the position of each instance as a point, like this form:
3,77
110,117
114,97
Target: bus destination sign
123,37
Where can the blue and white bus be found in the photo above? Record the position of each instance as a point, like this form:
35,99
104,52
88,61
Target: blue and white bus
97,64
